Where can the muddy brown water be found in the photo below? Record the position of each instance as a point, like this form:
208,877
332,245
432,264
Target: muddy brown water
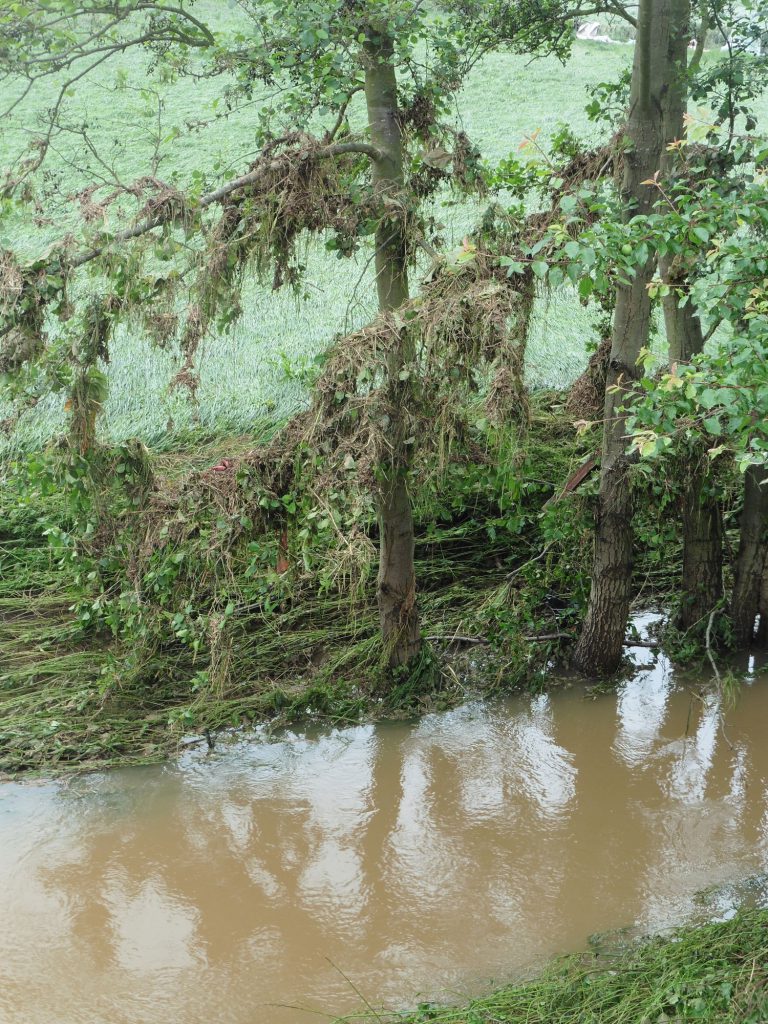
395,862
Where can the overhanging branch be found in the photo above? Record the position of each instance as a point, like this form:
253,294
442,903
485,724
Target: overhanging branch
214,197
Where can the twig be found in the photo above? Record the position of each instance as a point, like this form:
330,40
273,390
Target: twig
457,639
709,647
530,561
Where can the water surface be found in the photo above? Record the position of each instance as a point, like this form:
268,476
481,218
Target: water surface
404,860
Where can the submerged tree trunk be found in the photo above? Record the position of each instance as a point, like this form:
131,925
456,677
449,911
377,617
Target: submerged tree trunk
396,592
751,557
702,578
600,645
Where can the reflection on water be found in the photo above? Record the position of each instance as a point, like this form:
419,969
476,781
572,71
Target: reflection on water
415,860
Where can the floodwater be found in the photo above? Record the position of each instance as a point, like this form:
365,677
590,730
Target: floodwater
392,863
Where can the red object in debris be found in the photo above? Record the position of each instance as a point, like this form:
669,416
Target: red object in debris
580,475
575,480
222,467
282,557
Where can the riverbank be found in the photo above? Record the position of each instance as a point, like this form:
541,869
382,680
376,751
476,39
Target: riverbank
166,602
716,973
177,598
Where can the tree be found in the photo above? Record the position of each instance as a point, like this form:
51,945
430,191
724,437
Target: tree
599,648
714,404
397,580
351,179
761,635
728,87
701,577
751,557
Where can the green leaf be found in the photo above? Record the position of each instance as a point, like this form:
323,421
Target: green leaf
556,277
513,266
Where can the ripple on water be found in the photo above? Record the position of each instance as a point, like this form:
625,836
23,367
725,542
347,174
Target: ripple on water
405,860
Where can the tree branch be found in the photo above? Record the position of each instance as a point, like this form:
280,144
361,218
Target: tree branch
338,148
211,198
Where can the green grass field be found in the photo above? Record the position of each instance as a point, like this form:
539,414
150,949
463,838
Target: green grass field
254,372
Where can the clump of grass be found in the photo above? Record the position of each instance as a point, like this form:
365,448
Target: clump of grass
715,973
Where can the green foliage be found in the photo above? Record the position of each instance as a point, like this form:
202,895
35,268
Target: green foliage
721,397
609,100
171,614
713,399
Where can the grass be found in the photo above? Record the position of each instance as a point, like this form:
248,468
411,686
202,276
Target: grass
716,973
255,371
75,700
74,696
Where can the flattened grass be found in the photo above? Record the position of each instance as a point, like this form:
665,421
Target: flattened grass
716,973
75,700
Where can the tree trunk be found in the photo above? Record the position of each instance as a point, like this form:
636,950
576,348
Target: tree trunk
682,323
701,34
751,558
396,592
761,637
600,645
702,578
702,582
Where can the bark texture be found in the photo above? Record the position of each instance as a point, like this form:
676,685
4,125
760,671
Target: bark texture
600,645
751,558
702,582
682,323
396,591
